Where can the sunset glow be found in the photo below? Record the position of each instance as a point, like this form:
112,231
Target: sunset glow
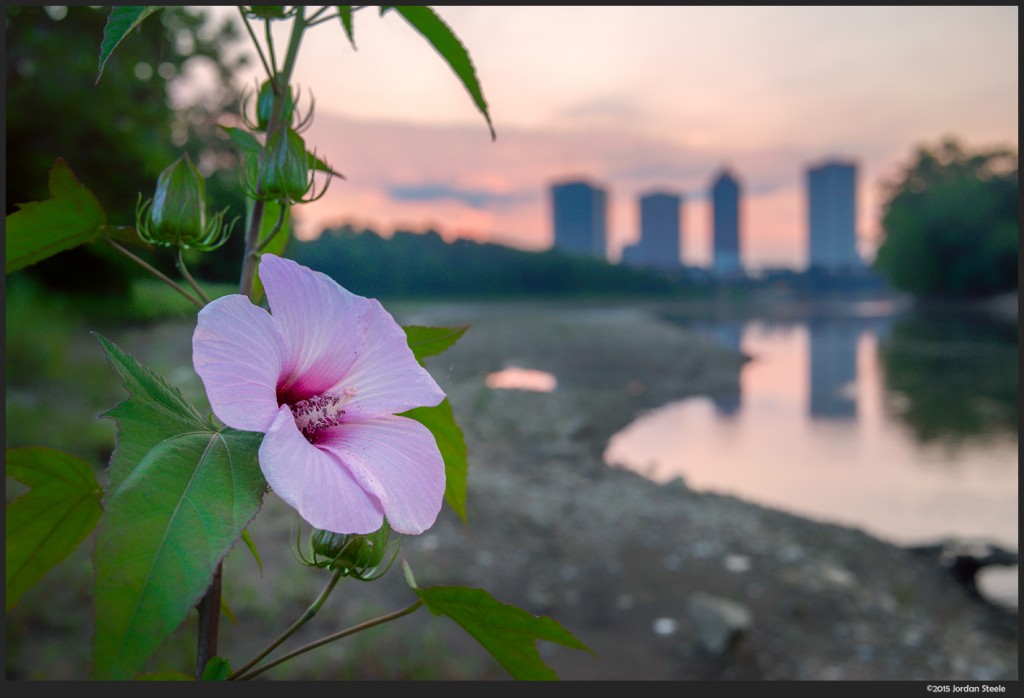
641,97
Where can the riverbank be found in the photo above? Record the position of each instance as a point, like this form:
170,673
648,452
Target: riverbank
662,582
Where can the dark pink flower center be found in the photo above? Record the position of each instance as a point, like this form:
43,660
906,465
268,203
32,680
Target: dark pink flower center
320,412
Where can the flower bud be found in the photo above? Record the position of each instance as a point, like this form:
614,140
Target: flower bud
355,555
265,105
176,215
282,172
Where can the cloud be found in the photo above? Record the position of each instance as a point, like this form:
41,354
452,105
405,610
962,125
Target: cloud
474,198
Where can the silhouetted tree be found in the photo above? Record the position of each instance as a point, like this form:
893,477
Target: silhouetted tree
118,134
951,223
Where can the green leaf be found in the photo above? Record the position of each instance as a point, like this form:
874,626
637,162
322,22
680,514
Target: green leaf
440,420
321,165
40,229
243,139
50,520
217,669
426,22
251,545
507,632
181,492
345,15
430,341
122,19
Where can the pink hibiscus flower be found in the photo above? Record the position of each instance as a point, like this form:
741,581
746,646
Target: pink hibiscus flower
324,376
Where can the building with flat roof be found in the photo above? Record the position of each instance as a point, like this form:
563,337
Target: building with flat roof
832,216
660,242
725,225
580,217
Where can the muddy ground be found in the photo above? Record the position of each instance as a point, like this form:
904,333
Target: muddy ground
661,582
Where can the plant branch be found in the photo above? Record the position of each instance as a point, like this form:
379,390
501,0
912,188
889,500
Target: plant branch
191,281
274,231
157,273
331,638
305,617
255,43
209,624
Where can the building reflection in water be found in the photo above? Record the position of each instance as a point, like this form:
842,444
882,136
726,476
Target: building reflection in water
832,363
729,335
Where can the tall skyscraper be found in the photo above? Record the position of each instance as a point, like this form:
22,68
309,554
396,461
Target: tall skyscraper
660,232
832,216
580,215
725,227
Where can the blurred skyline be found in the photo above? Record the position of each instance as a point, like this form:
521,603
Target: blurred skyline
642,98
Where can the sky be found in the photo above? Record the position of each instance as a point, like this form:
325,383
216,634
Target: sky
641,98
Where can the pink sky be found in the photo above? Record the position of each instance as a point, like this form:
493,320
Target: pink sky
635,98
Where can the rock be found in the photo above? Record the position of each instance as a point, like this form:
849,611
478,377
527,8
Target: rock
719,624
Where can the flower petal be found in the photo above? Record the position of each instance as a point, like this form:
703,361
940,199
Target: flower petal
386,376
312,480
396,459
237,352
319,321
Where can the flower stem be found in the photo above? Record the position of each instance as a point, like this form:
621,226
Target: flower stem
305,617
157,273
209,624
256,44
250,257
188,277
273,232
331,638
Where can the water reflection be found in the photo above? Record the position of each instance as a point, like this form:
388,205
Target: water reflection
850,420
515,378
833,369
952,378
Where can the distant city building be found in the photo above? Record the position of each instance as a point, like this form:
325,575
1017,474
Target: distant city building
659,245
725,224
832,216
580,214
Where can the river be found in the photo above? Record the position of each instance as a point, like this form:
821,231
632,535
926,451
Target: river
903,424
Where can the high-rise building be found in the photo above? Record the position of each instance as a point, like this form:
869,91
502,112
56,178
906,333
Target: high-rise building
832,216
659,245
725,224
580,215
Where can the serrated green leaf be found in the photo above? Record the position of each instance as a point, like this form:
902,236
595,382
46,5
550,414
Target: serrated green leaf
430,341
509,633
44,525
426,22
120,22
345,15
181,492
40,229
440,420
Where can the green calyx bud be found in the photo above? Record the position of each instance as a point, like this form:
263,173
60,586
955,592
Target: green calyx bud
354,555
282,171
265,105
176,215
